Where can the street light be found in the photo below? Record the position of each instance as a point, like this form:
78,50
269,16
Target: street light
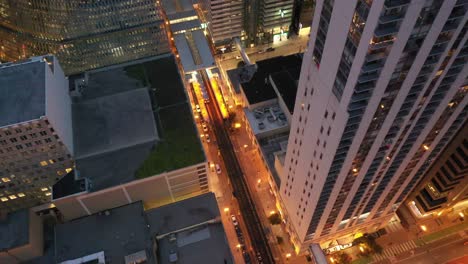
361,248
226,210
423,228
272,212
288,255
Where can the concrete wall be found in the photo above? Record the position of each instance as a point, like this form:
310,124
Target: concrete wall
154,191
58,103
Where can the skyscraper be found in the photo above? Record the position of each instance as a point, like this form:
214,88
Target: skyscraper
446,183
383,85
35,131
83,34
255,22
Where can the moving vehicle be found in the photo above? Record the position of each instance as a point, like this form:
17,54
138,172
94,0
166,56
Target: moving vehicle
234,220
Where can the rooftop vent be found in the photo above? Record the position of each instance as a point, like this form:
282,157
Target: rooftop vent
261,126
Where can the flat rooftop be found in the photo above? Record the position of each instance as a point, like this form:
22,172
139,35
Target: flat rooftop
125,230
194,52
118,232
258,90
119,134
266,119
286,86
179,144
14,230
272,146
172,7
22,93
203,244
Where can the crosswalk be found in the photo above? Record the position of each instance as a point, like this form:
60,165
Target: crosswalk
395,250
393,227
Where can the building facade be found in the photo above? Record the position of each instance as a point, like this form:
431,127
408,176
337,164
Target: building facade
223,18
35,131
254,22
82,34
383,86
446,183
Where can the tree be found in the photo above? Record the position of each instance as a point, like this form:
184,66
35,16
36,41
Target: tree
343,258
275,219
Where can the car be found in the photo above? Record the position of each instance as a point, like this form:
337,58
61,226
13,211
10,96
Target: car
207,138
198,108
238,57
259,256
218,169
234,220
270,49
246,257
205,127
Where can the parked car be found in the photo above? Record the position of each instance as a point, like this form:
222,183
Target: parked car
207,136
270,49
218,169
205,127
259,256
238,57
198,108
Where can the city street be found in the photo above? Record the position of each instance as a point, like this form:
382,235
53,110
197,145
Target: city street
438,252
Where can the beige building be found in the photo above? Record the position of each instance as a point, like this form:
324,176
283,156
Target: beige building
35,131
383,83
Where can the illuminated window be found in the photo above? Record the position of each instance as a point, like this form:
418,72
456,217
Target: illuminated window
48,194
44,189
5,179
68,170
4,199
21,195
12,197
43,163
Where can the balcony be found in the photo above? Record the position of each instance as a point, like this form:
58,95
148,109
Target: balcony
449,26
371,67
390,18
379,45
364,87
387,30
389,4
376,56
363,78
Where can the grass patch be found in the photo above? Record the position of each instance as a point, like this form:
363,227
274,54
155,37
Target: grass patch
445,232
364,260
163,75
137,72
179,146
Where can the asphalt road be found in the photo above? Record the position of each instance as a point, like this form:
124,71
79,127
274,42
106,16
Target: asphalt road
438,253
234,171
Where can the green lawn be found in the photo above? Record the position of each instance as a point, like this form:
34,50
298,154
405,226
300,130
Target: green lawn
137,71
362,261
179,146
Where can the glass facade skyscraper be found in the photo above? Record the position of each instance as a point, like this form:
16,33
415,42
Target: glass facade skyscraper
82,34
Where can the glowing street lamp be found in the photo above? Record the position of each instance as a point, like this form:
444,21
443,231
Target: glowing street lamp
288,255
226,209
361,248
423,228
272,212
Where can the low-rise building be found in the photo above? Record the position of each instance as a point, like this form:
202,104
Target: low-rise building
188,231
21,237
35,131
135,140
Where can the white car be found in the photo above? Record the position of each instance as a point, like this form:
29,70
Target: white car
205,128
207,138
218,169
238,57
234,220
198,108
